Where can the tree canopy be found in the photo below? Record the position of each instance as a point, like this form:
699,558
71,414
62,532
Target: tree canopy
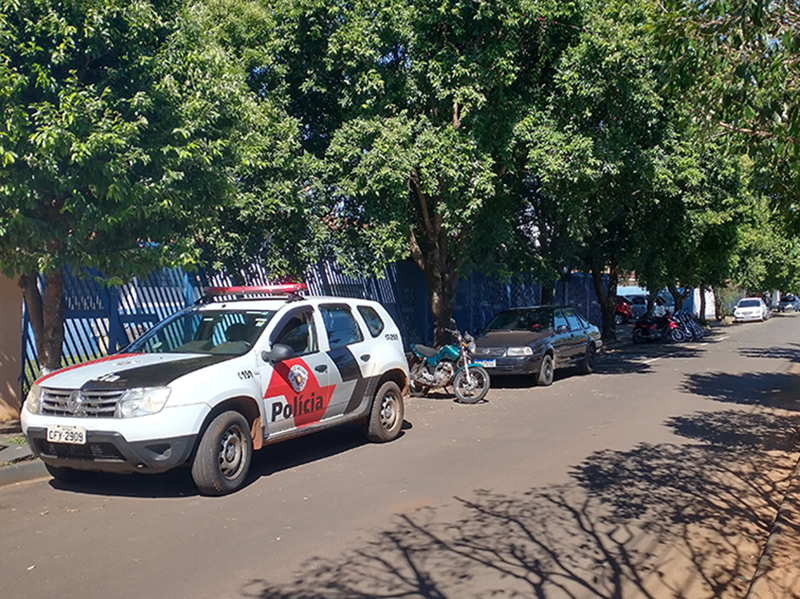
126,128
526,136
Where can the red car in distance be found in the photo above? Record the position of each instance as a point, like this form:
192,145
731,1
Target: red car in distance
624,310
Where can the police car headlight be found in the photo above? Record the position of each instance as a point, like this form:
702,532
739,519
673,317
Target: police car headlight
142,402
33,402
512,352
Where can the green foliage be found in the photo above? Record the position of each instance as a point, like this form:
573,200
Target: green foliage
595,148
736,62
121,132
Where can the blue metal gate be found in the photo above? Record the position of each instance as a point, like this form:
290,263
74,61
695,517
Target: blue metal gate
100,320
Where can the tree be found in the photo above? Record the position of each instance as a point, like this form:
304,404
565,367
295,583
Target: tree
123,123
737,63
694,230
410,107
596,148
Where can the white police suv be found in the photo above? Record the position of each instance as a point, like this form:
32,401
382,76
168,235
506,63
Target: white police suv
208,385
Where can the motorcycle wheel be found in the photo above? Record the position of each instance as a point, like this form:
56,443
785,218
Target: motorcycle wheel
677,335
471,391
415,388
638,336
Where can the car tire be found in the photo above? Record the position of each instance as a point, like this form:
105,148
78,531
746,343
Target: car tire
546,372
586,364
224,454
68,475
619,318
469,394
386,415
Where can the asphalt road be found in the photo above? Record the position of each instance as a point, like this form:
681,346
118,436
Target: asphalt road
657,476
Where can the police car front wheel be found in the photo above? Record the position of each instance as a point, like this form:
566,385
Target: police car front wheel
224,454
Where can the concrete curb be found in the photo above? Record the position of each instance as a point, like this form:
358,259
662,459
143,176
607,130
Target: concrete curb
22,471
778,573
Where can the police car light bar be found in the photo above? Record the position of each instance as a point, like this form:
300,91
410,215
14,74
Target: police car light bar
257,289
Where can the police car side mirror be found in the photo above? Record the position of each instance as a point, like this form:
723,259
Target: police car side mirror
562,328
279,353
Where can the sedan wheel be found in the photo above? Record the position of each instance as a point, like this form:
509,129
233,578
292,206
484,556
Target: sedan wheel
545,378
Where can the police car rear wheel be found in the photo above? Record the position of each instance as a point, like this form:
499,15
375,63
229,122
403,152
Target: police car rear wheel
224,454
386,416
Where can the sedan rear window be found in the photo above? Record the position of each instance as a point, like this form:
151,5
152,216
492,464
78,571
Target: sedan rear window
749,303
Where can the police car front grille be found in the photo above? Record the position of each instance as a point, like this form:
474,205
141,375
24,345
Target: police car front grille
93,404
90,451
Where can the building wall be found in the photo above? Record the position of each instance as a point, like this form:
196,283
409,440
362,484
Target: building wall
10,348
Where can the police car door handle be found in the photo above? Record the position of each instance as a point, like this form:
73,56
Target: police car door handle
365,358
321,368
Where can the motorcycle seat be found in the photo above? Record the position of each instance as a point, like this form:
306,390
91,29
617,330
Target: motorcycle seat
426,351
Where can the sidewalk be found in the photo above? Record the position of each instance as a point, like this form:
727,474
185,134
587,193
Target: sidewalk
17,463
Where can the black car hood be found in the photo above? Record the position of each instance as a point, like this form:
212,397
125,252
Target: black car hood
511,338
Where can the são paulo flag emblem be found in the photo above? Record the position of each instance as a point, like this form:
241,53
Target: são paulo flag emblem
298,377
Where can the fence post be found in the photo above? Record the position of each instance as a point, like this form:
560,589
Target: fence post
116,331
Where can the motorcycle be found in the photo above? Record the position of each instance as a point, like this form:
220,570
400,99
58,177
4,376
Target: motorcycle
656,328
691,329
449,365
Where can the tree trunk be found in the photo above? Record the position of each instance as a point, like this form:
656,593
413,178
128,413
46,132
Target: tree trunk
47,317
702,315
678,296
431,253
607,299
717,306
548,293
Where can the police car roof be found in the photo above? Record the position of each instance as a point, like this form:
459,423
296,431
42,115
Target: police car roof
275,302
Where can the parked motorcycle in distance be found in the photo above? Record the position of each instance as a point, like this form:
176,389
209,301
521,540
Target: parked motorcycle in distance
655,328
688,324
449,365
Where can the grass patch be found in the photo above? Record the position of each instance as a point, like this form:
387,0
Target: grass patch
15,441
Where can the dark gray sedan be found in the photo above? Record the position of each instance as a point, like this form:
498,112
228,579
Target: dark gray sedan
537,340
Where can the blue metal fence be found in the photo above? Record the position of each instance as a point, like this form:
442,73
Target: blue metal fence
100,320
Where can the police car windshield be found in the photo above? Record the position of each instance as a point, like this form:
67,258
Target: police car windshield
534,319
221,332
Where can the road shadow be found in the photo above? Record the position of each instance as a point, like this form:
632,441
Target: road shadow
763,431
269,460
661,520
770,389
789,354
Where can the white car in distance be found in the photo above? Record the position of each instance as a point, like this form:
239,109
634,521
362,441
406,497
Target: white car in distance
751,309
